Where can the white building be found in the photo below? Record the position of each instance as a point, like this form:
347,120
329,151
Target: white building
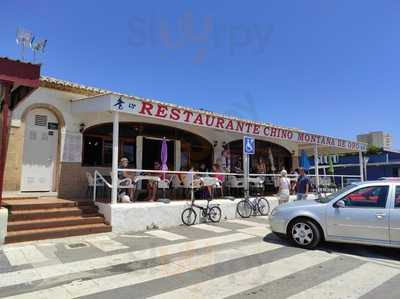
62,133
378,138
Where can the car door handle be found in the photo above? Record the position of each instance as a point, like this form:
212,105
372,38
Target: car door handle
380,215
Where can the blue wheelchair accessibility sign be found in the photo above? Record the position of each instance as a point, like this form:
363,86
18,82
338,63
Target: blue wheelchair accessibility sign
249,145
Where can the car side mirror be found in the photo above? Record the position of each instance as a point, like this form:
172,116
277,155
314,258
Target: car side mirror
340,204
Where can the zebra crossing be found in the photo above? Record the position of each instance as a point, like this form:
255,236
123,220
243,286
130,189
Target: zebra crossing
23,255
231,262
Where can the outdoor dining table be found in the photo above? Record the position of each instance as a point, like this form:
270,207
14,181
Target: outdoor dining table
162,184
256,181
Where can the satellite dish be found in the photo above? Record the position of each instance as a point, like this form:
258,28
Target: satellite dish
24,39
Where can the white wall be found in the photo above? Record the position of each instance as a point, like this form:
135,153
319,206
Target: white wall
61,100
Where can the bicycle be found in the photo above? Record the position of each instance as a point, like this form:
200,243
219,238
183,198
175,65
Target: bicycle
246,207
189,215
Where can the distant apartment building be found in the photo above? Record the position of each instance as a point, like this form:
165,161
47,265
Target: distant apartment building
379,139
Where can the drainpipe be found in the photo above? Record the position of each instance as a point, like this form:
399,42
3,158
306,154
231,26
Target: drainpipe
5,89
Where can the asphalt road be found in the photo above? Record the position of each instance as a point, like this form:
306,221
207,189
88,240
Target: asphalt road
232,259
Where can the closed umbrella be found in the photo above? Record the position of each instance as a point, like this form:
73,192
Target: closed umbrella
164,159
271,160
164,156
304,161
331,169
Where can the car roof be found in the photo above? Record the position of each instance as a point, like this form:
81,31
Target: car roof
380,182
390,179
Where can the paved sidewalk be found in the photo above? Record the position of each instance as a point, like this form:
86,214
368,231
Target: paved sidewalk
236,259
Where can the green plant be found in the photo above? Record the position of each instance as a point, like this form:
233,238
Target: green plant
373,150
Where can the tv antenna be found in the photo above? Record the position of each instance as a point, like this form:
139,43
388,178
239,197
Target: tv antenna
37,46
24,39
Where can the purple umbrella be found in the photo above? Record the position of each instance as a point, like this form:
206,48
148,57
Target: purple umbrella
164,156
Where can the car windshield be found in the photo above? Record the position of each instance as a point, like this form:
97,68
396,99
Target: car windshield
325,199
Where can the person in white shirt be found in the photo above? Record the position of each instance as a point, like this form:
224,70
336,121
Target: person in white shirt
284,187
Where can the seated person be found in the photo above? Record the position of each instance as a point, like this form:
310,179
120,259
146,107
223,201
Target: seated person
152,186
181,177
122,175
238,167
203,168
217,169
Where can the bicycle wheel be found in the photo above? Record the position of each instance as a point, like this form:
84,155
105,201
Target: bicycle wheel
189,216
244,208
263,206
215,214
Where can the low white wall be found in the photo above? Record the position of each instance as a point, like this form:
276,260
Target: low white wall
140,216
3,224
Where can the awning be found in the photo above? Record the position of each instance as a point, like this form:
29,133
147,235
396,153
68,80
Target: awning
177,114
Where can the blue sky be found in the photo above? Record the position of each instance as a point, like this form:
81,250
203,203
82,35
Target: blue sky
329,67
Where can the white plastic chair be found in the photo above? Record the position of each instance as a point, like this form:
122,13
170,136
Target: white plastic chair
256,182
179,188
161,183
189,185
126,183
234,182
214,183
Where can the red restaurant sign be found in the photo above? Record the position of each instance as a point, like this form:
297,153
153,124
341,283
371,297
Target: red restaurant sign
204,119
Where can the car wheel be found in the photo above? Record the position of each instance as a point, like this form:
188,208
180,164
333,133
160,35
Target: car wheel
304,233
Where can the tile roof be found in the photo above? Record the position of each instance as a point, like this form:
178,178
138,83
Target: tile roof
68,86
64,85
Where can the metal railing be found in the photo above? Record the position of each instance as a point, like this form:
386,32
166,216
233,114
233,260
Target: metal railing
98,176
229,184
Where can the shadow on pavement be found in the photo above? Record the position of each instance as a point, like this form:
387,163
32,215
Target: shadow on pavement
345,248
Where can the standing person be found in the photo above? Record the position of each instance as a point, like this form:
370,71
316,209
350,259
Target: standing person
303,185
284,187
293,181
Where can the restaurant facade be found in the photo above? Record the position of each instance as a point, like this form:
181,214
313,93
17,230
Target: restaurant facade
64,130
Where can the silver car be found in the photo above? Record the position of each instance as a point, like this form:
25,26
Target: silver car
365,213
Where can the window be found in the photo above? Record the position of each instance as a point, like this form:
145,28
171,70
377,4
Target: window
108,150
368,197
397,197
97,140
98,151
129,152
92,150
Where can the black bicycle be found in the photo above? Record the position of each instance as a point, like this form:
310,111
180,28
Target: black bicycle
245,208
189,215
